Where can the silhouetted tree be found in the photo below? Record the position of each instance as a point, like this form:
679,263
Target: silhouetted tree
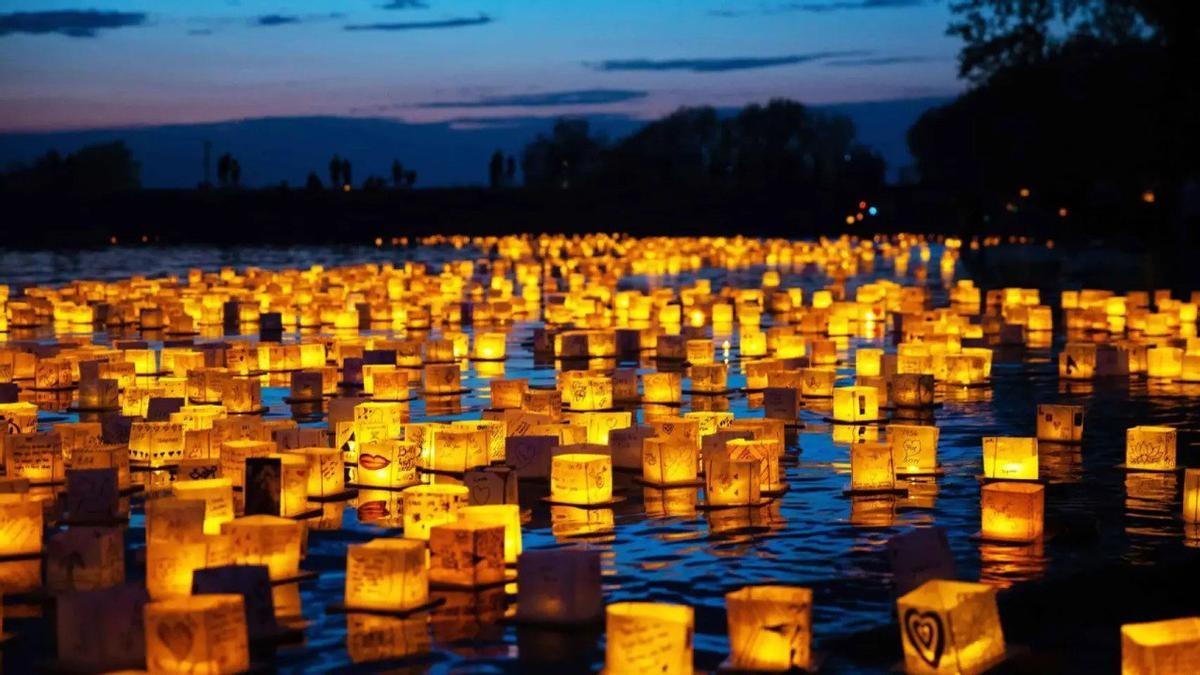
347,175
567,157
235,173
224,166
374,184
510,171
496,170
410,178
335,173
95,169
397,174
313,183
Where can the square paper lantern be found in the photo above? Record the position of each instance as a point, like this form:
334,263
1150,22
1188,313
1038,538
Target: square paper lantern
242,394
817,382
267,540
466,554
581,479
20,524
442,378
388,464
306,385
1191,496
386,574
1012,511
711,378
662,388
457,448
669,461
1060,423
871,467
326,471
1010,458
1169,647
489,347
770,628
912,390
914,448
99,394
508,393
37,457
729,482
1149,448
648,637
594,392
234,455
752,343
559,586
766,453
1164,362
217,495
855,404
170,564
505,515
868,362
426,506
950,627
197,634
276,485
156,443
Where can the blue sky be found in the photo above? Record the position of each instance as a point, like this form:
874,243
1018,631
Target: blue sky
106,63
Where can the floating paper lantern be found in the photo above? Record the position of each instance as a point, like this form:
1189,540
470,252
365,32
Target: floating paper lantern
855,404
766,453
950,627
99,394
770,628
914,448
662,388
217,495
817,382
699,352
508,393
20,524
171,562
559,586
1010,458
912,390
442,378
457,448
1170,647
36,456
156,443
387,464
668,461
1150,448
1060,423
326,474
871,467
145,361
233,456
426,506
581,479
198,634
52,374
645,637
506,515
242,394
710,378
466,554
1164,362
276,485
730,482
1012,511
489,346
752,343
386,574
868,362
267,540
589,392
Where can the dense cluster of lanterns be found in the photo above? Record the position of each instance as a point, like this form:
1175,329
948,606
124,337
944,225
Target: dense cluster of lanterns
176,418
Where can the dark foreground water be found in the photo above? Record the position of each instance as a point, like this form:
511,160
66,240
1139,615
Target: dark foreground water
659,547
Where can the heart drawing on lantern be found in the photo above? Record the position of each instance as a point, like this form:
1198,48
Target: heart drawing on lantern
924,630
177,636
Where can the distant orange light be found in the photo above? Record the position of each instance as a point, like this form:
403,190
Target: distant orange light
345,188
1049,243
1062,213
1024,193
378,242
112,240
1148,196
145,239
849,221
859,216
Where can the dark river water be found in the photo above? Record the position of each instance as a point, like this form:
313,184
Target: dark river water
667,550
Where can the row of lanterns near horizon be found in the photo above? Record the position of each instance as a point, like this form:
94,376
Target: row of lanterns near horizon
230,494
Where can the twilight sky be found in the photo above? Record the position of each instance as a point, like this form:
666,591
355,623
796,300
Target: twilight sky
103,63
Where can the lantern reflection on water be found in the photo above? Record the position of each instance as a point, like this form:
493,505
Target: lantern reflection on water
770,628
1191,496
950,627
646,637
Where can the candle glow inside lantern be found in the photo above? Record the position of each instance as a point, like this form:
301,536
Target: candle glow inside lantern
99,394
1150,448
729,482
871,467
20,524
1191,496
1010,458
37,457
914,448
326,472
217,495
950,627
442,378
197,634
766,452
855,404
242,394
589,392
506,515
457,448
171,562
388,463
1060,423
387,574
649,637
662,388
1164,362
581,479
1012,511
489,347
466,554
669,461
912,390
1170,647
426,506
770,628
508,393
267,540
711,378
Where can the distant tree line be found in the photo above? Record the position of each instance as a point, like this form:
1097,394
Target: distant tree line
780,145
96,169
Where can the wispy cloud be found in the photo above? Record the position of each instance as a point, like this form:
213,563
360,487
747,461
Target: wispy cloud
406,4
73,23
269,20
459,22
878,61
722,64
547,99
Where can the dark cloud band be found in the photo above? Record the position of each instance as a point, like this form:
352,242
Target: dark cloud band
717,65
73,23
547,99
461,22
